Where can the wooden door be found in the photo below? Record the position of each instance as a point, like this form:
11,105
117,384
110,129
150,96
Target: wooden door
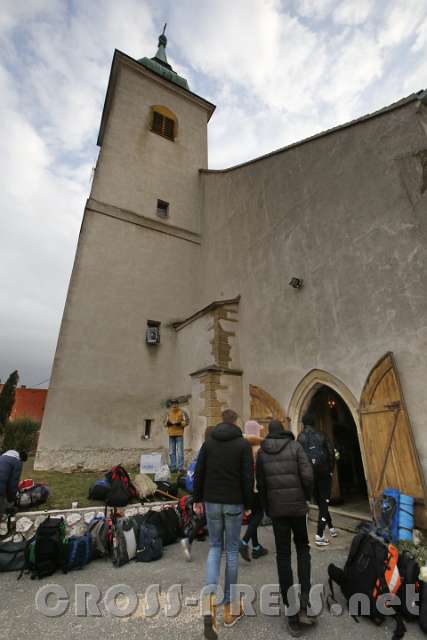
390,452
265,408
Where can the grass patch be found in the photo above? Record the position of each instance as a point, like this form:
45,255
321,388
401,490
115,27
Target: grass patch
66,488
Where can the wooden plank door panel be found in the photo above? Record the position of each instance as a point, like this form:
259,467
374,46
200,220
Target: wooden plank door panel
390,451
265,408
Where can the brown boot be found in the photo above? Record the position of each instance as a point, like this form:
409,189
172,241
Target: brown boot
230,615
209,617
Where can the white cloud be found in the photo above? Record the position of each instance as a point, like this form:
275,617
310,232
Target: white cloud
353,12
401,21
278,70
317,9
420,43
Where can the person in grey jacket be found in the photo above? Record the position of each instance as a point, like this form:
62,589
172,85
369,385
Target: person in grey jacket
11,463
285,481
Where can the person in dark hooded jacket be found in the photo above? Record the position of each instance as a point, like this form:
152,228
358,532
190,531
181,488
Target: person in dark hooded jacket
321,454
285,481
223,480
10,474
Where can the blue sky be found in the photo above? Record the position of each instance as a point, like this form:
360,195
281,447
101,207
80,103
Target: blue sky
281,70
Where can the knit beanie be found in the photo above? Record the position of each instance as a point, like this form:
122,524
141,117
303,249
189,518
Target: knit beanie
275,427
252,428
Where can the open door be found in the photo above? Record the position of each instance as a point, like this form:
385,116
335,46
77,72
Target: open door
390,452
265,408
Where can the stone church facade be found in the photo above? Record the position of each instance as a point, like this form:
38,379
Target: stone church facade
199,263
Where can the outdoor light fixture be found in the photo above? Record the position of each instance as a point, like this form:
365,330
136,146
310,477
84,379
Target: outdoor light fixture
296,283
152,334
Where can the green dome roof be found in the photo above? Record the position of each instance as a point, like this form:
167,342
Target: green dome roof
160,65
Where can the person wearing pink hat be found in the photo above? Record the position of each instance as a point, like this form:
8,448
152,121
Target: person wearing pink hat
252,430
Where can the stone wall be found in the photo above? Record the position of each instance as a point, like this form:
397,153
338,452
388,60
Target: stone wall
346,213
76,520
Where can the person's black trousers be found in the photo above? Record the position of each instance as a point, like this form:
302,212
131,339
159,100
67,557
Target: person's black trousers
322,496
254,521
283,528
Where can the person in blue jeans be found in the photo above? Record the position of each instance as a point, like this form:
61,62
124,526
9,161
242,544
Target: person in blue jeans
223,481
176,421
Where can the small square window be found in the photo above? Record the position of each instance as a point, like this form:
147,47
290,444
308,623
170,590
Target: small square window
162,209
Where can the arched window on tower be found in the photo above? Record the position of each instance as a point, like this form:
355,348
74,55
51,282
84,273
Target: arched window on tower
164,122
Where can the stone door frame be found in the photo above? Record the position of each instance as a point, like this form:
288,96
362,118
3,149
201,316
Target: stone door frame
304,393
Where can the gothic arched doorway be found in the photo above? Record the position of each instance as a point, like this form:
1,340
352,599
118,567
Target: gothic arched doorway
336,414
333,417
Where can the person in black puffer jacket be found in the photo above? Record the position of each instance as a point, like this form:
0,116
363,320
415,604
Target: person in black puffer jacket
223,480
285,481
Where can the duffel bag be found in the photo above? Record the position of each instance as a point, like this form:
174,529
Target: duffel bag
99,490
12,556
32,497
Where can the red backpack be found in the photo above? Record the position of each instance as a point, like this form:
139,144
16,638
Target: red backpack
122,490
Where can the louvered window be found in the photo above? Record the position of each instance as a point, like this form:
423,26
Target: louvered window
163,125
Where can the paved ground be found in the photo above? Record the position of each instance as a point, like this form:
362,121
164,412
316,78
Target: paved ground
20,620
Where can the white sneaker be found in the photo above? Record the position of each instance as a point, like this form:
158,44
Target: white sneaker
333,532
185,544
321,541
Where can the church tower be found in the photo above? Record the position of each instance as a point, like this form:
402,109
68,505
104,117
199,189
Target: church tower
134,273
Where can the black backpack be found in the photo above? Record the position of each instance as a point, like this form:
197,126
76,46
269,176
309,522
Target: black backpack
167,523
47,550
172,525
122,489
314,446
364,573
409,570
149,544
423,606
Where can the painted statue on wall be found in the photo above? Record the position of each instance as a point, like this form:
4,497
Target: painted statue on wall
176,420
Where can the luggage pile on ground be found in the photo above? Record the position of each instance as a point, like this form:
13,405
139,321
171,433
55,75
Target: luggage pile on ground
141,537
116,489
121,538
375,571
31,494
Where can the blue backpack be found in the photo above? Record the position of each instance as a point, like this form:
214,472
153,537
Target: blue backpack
99,491
79,552
189,478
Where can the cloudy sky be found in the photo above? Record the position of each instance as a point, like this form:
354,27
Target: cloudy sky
284,69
